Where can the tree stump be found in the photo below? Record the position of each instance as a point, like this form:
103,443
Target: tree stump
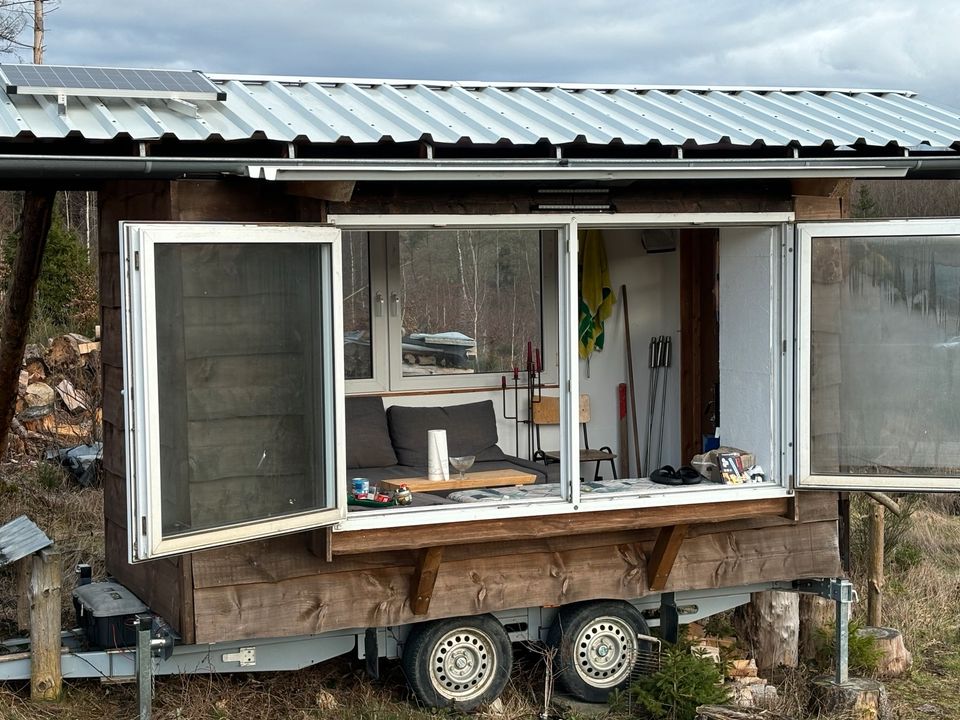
895,659
769,626
816,614
858,698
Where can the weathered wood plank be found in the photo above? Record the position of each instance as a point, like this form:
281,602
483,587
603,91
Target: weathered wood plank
234,371
231,460
245,401
381,596
664,554
239,499
425,579
46,680
156,582
113,396
813,207
568,524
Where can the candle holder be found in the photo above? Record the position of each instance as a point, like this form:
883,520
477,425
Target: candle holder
531,385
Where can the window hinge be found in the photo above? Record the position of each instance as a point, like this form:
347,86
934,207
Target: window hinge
784,351
136,260
143,524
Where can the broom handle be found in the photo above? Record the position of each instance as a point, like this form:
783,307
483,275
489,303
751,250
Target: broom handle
633,391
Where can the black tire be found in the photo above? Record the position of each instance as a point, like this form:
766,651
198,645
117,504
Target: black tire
458,662
597,647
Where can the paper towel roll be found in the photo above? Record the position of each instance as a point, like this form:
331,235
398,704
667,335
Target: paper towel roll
438,463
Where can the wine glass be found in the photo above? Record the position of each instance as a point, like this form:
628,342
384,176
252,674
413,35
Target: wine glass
462,462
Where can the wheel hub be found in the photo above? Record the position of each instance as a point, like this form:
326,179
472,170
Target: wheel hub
463,664
605,651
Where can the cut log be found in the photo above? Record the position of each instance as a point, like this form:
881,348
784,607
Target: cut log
67,351
742,668
895,659
39,395
857,699
769,626
36,370
719,712
73,399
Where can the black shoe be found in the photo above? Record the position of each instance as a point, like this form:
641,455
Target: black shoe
666,476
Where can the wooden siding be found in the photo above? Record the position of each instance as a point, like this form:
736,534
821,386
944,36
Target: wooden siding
284,586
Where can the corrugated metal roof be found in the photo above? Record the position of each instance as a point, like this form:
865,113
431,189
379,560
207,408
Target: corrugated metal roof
326,111
20,537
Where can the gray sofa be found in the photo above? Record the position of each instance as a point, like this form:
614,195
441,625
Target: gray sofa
392,443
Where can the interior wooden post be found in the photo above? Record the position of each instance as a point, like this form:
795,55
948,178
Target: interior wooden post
424,579
664,555
45,676
699,346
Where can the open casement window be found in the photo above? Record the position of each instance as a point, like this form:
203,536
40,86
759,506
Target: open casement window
233,362
879,355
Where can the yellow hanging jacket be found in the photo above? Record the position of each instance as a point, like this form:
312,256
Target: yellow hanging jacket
596,296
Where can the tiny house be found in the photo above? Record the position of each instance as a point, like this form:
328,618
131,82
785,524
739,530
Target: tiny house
302,277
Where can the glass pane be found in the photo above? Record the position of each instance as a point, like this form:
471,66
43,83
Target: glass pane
240,369
357,349
885,356
470,300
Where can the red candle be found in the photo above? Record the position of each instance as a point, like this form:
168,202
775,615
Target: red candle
529,353
503,382
539,363
516,373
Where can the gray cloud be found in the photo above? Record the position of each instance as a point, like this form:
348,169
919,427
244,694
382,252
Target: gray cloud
857,43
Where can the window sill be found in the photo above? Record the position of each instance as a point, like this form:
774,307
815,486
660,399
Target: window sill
426,527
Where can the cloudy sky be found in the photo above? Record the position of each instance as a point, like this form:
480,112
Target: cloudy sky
850,43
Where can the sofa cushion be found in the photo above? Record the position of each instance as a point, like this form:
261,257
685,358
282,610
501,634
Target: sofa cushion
471,430
368,438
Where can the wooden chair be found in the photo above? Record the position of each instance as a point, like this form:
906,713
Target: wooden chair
547,412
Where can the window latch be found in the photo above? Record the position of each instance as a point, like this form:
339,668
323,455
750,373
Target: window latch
394,305
378,304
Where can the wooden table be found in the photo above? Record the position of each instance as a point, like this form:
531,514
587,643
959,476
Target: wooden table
471,480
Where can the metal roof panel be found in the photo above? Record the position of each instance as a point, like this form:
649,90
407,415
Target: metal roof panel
331,110
19,538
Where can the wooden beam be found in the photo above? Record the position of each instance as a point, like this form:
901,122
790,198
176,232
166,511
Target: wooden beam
334,190
45,677
34,227
814,207
479,531
824,187
425,579
664,555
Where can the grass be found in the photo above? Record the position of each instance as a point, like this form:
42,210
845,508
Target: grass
921,599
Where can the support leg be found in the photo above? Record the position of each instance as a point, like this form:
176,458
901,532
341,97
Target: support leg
144,665
669,618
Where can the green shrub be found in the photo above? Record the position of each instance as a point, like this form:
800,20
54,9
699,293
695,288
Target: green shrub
66,291
863,654
683,682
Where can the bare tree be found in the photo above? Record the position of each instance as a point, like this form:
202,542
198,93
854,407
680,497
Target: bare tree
15,17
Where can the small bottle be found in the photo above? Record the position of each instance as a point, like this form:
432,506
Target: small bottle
403,496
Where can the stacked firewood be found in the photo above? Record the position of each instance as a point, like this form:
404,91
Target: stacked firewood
58,400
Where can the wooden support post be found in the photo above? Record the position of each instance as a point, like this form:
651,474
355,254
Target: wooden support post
320,542
875,567
664,555
24,570
424,579
45,678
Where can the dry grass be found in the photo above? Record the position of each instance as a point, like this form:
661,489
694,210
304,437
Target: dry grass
921,599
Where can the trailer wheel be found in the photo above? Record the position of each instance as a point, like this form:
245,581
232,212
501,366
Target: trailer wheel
458,662
597,647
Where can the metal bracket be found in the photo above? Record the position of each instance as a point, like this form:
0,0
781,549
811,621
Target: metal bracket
246,656
842,593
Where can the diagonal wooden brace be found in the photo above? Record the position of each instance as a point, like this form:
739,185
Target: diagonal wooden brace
424,579
664,555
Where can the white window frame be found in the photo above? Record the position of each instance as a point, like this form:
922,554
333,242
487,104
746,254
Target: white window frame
568,380
142,391
386,333
805,234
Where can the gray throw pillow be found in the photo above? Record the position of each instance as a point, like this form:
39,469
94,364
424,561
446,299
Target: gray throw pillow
471,430
368,439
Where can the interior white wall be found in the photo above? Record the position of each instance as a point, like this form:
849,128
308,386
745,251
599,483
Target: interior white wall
653,295
750,341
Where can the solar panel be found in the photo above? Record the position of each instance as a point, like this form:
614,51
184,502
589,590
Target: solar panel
108,82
